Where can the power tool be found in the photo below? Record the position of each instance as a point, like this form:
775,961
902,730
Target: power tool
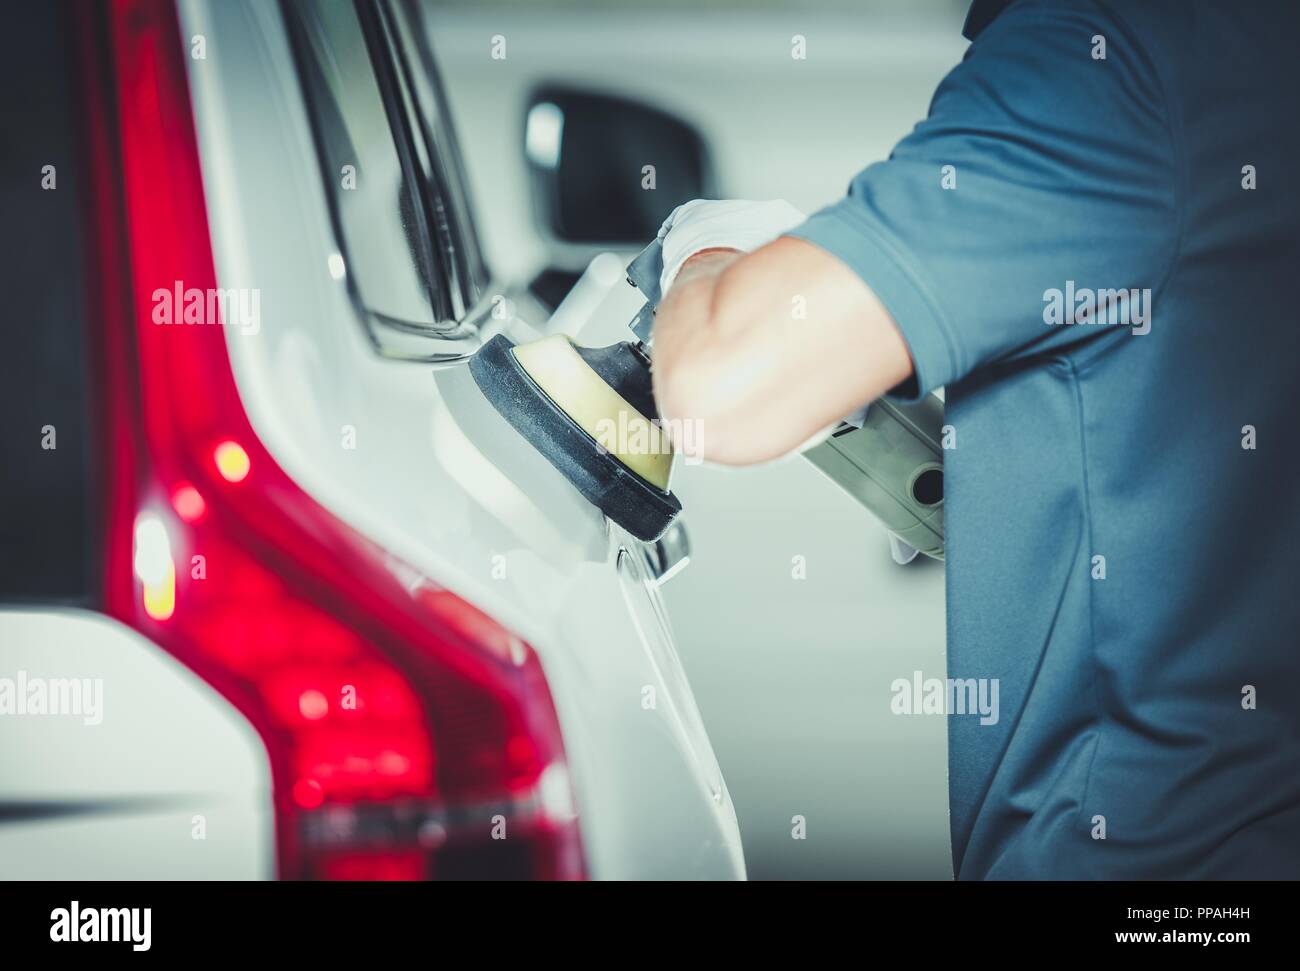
565,400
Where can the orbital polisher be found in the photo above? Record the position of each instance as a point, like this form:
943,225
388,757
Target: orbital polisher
564,398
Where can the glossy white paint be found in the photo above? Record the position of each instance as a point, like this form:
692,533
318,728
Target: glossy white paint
440,480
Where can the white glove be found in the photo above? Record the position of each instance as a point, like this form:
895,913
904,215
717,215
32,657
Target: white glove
715,224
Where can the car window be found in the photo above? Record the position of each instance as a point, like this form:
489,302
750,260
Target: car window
433,117
49,500
384,211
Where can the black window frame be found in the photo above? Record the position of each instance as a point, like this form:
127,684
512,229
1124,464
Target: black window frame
431,116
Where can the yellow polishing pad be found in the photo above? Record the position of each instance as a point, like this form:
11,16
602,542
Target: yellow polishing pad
575,387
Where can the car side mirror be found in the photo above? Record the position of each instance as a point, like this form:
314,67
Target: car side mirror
606,171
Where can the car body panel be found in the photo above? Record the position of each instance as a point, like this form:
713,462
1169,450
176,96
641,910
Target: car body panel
442,482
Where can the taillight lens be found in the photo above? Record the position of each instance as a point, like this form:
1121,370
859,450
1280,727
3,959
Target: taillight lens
410,736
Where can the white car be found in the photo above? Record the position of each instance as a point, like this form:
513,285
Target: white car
282,595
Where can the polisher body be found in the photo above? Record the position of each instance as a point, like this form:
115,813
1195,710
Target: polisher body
591,412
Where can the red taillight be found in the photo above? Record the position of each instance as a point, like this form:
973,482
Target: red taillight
407,731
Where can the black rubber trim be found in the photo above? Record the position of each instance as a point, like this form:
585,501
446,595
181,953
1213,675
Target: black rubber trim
602,479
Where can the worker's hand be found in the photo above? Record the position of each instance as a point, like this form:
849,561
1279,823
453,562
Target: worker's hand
727,224
700,233
731,356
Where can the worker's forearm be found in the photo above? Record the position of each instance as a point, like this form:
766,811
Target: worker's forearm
763,350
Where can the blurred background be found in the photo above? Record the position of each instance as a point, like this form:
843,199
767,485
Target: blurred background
791,618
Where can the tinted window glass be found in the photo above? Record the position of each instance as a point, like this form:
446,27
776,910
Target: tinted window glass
47,535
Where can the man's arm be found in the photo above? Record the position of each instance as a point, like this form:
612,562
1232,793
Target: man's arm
766,349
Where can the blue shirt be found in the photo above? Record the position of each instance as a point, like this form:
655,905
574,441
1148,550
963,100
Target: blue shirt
1092,243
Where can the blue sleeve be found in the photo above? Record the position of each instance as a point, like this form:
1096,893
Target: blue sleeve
1063,168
